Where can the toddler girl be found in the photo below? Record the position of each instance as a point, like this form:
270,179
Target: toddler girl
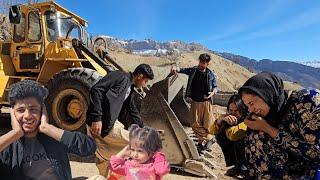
142,158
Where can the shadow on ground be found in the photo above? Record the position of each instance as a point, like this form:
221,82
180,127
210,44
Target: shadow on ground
80,178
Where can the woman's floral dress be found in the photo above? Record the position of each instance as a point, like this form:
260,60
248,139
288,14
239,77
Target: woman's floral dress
295,152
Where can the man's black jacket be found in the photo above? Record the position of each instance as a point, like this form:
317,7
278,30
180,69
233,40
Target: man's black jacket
107,102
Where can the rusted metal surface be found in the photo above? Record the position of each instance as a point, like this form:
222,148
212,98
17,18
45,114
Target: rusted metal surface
222,98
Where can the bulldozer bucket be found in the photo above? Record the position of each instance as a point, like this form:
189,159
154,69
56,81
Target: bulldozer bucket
165,109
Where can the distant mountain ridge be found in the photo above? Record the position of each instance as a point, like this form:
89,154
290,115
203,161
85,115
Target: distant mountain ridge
305,75
315,64
152,47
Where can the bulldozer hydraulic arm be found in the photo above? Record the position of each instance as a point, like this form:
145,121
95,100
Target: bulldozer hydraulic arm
80,48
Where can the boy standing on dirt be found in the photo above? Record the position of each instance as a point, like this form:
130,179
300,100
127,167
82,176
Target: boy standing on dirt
112,110
200,89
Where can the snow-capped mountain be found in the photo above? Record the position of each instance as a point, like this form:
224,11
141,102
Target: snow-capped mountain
315,64
151,47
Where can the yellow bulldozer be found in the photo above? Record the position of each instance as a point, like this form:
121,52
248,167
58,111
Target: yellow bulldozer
50,44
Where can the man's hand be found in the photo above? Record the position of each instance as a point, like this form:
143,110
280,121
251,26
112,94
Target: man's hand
174,69
13,135
48,129
96,128
231,120
16,126
43,120
189,100
210,94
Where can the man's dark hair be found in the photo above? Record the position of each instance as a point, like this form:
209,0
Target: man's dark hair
26,89
144,69
204,57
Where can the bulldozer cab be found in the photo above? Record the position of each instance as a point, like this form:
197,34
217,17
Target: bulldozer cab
27,41
35,28
50,44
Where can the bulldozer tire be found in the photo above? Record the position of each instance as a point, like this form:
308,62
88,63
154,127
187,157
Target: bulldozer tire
68,99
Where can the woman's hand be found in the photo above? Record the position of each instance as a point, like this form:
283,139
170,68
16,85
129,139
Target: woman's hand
259,124
256,123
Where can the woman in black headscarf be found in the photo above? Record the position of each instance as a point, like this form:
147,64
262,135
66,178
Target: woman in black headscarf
284,141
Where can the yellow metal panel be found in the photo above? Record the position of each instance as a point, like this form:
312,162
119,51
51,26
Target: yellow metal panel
43,6
7,67
51,67
34,48
3,85
54,50
99,69
66,59
1,67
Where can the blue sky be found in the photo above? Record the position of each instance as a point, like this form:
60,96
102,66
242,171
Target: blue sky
272,29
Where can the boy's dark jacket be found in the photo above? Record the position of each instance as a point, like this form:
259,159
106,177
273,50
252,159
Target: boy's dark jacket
107,102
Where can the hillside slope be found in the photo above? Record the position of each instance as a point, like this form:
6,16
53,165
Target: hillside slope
307,76
230,75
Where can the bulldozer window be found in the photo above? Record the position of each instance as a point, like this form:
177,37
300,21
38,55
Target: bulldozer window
51,21
19,30
34,27
61,26
74,33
